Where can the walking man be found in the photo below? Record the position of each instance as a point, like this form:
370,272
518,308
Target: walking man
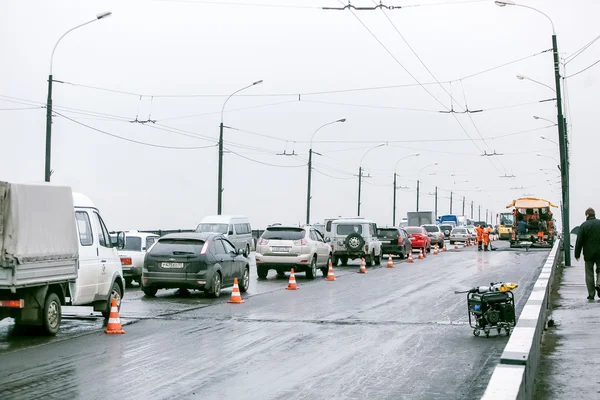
588,239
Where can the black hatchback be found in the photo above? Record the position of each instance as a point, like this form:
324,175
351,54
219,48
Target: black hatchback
201,261
394,241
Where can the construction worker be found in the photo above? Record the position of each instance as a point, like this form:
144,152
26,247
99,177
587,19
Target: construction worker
479,231
486,238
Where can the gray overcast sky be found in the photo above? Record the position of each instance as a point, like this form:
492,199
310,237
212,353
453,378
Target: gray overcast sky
159,48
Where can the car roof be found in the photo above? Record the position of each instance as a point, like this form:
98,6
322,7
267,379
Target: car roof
140,234
192,235
406,227
222,218
352,221
279,227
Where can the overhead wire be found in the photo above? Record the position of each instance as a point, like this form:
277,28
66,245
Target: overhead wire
264,163
583,70
577,53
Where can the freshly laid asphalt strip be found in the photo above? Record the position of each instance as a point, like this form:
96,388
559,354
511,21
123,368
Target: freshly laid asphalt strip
396,333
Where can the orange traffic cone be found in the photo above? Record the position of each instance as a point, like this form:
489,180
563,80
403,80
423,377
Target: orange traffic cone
445,248
363,266
292,282
390,262
410,259
330,275
236,297
114,322
455,245
421,254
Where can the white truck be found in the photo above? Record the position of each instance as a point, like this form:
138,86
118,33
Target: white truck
55,250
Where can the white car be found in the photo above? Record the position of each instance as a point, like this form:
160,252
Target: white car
132,256
285,247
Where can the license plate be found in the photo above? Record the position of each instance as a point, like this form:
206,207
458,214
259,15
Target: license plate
281,249
172,265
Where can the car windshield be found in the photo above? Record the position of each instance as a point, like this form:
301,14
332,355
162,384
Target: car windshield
431,228
169,247
133,243
213,228
387,233
459,231
414,230
283,233
347,229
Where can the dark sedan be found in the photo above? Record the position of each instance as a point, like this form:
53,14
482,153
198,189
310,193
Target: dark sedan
394,241
200,261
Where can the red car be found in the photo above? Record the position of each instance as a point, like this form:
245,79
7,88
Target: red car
419,238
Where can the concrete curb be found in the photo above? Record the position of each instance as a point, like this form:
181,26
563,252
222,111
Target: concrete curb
514,377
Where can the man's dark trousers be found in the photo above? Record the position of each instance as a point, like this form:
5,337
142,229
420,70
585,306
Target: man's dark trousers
589,277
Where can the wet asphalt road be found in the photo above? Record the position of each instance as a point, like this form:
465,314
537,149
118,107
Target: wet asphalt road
396,333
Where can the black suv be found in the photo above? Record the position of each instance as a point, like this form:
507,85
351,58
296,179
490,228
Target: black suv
394,241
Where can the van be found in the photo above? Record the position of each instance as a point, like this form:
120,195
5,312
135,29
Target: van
55,251
132,256
235,228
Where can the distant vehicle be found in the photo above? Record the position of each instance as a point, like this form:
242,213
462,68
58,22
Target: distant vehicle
200,261
394,241
419,238
459,235
435,234
327,223
472,232
449,218
285,247
418,218
537,217
56,250
505,228
236,229
353,239
320,228
446,229
132,256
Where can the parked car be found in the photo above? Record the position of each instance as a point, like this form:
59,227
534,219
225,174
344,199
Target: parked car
459,235
354,239
285,247
394,241
446,229
435,234
472,233
201,261
419,238
132,256
236,229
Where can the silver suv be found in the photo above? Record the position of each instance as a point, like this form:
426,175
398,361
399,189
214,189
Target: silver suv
353,239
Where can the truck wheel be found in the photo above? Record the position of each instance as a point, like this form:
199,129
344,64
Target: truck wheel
115,293
52,314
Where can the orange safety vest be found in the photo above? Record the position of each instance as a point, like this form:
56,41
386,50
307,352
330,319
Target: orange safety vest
486,236
479,233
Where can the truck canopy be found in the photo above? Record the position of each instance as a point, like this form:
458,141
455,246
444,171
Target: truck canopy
530,202
37,223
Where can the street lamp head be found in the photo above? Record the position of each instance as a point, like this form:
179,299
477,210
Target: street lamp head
505,3
257,82
104,15
417,155
520,77
536,117
538,154
341,120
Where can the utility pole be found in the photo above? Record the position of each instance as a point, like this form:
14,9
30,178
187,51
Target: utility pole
436,207
471,209
451,203
394,213
220,177
463,213
308,197
479,219
486,216
417,195
359,186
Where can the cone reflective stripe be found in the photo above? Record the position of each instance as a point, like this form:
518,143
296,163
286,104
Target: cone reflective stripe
455,245
236,297
330,275
114,322
421,254
445,248
410,258
363,266
435,249
390,262
292,283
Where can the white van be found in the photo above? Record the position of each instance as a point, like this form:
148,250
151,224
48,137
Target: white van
54,250
236,228
132,256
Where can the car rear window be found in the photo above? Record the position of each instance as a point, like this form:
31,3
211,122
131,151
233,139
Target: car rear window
168,247
387,233
346,229
446,227
283,233
459,231
413,230
133,243
213,228
431,228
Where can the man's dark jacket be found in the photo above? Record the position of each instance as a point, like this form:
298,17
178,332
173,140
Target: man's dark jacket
588,239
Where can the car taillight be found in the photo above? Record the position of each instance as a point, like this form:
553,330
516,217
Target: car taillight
262,241
399,239
125,260
301,242
204,248
366,248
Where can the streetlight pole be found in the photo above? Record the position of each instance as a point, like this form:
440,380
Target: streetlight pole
436,206
463,213
220,177
471,209
48,170
419,183
479,219
360,172
562,136
451,203
522,77
310,153
396,187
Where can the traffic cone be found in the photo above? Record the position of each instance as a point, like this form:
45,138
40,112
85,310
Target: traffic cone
292,283
410,259
467,243
330,275
455,245
114,322
236,297
363,266
390,262
435,250
421,254
445,248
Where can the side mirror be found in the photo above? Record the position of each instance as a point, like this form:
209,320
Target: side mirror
242,252
120,240
327,240
230,233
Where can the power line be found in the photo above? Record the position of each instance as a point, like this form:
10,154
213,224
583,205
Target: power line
583,70
230,110
578,52
264,163
22,108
